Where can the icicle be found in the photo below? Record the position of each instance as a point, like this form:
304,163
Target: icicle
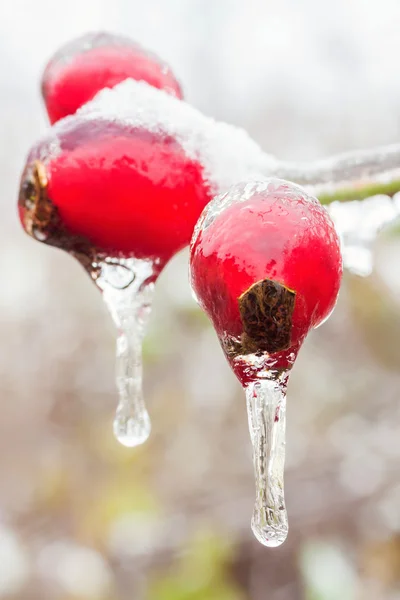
127,286
266,407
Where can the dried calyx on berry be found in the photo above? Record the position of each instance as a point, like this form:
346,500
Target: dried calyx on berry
266,311
41,219
266,268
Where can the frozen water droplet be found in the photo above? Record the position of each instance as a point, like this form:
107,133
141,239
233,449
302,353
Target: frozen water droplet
132,422
266,408
127,286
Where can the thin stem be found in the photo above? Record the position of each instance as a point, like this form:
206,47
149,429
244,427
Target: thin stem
360,191
351,176
348,166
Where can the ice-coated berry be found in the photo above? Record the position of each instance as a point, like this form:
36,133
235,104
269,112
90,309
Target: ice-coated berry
94,61
266,267
113,188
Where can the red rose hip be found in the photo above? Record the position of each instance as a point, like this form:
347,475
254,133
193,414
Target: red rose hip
266,268
122,199
125,191
95,61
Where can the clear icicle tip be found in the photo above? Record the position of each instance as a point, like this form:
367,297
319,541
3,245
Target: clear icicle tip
131,429
266,407
127,286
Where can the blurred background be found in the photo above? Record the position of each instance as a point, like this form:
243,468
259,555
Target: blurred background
82,518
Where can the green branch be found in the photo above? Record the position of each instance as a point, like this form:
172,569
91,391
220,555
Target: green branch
359,192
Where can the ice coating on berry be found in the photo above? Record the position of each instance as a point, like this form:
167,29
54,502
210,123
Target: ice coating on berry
95,61
124,189
262,247
126,282
266,267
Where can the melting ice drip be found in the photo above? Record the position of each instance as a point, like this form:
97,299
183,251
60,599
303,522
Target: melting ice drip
127,286
266,409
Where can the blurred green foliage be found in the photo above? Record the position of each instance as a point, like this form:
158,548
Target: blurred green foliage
201,573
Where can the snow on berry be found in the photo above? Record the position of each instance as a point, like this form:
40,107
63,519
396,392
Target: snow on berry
227,153
130,173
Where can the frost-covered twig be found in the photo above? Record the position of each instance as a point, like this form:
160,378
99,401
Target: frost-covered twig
350,176
228,154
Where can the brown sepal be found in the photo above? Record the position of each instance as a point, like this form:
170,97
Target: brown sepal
266,311
42,221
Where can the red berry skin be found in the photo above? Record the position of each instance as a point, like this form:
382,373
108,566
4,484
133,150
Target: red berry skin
268,230
127,191
87,65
